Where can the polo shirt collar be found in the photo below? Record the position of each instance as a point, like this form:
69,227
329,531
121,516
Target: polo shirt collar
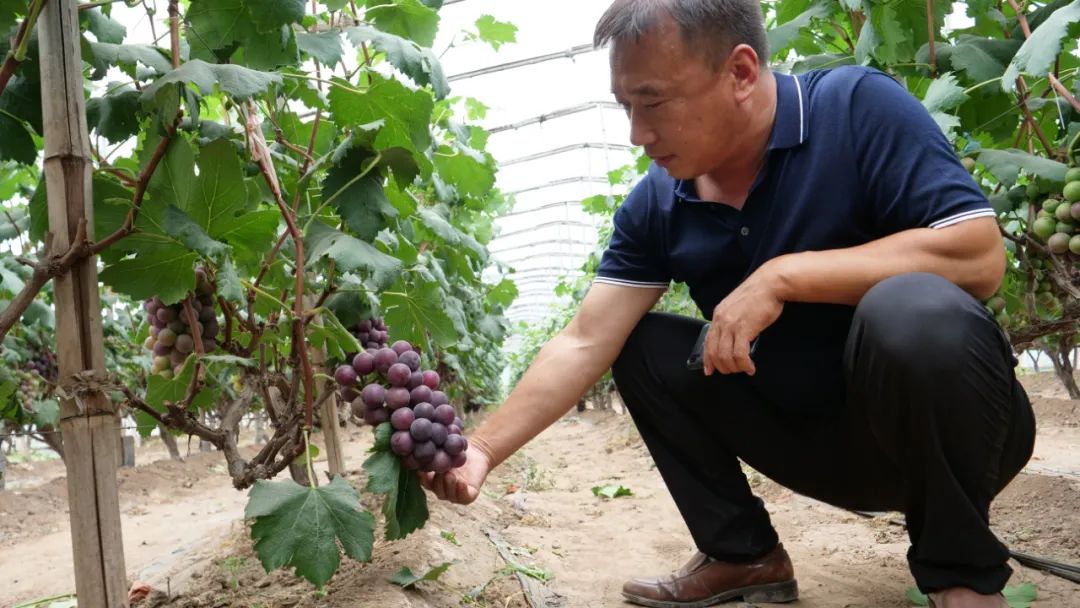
792,122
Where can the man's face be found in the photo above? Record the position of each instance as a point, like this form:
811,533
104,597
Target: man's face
682,111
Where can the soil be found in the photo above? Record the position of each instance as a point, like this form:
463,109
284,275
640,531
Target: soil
184,535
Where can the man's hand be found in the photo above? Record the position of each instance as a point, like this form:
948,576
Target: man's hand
460,485
738,319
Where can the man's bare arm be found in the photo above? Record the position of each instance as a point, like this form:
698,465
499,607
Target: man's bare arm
565,368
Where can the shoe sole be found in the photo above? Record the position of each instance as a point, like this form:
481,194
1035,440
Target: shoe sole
772,593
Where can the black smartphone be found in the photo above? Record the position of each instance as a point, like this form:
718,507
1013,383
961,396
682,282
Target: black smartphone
696,360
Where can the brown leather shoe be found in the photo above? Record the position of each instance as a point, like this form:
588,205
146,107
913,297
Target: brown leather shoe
704,582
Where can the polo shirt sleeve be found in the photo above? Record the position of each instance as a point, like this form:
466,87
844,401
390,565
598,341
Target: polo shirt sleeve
909,170
633,257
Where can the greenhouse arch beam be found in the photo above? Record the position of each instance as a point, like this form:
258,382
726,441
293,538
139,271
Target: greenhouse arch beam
544,242
582,179
565,149
569,53
574,203
555,223
535,120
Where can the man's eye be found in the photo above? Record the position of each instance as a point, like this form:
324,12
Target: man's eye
654,105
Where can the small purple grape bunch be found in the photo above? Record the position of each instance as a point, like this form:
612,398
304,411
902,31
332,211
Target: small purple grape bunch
427,431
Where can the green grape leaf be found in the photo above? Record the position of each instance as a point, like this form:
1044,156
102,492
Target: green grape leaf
22,97
237,81
414,310
781,37
1006,165
172,181
180,226
271,15
415,61
47,413
1038,52
104,28
403,114
503,294
324,46
611,491
405,507
105,54
437,224
9,16
461,168
406,579
495,33
360,201
228,282
168,273
406,18
115,116
982,59
350,253
300,527
17,143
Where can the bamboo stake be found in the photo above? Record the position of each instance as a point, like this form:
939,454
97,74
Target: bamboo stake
88,419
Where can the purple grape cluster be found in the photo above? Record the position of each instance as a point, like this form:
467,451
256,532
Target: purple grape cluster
370,333
43,364
171,337
427,429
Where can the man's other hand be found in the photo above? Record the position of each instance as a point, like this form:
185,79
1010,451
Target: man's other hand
460,485
737,320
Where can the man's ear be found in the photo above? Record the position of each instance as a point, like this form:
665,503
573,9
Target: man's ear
743,65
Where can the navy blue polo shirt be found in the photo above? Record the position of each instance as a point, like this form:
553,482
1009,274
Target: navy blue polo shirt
852,157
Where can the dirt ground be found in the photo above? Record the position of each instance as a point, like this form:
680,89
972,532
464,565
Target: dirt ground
184,534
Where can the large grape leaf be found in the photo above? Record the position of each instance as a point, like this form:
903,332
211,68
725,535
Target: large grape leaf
1006,165
495,33
350,253
300,527
982,59
781,37
404,115
237,81
1039,51
175,174
360,201
415,61
416,309
943,95
324,46
115,116
22,96
168,273
105,54
104,28
465,169
180,226
270,15
218,193
432,220
406,18
405,507
503,293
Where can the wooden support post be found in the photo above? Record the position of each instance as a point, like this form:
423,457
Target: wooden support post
328,413
88,419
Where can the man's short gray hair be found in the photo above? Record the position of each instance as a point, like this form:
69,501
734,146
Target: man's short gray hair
711,27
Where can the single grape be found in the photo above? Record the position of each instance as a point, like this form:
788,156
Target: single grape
411,359
362,337
372,346
397,397
358,408
149,342
376,416
208,344
453,429
402,419
154,330
444,414
410,462
365,325
374,395
363,363
458,460
420,394
384,358
166,374
439,398
149,306
398,374
401,443
178,326
166,314
415,380
207,314
458,422
424,410
345,375
424,451
206,299
420,429
438,433
441,463
211,329
162,350
401,346
431,379
454,444
160,363
185,343
167,336
177,358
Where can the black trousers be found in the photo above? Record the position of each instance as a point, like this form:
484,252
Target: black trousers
933,424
